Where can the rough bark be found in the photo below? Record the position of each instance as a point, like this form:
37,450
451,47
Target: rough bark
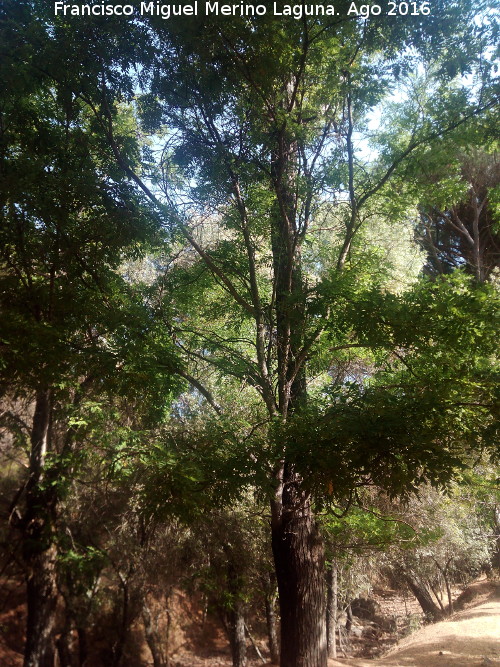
299,560
237,635
233,621
42,602
297,544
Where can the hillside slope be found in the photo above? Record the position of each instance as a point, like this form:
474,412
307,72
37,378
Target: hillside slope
470,638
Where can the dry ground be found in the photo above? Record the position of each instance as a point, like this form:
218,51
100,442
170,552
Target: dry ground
470,638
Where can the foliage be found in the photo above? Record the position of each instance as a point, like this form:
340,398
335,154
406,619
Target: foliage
428,409
276,341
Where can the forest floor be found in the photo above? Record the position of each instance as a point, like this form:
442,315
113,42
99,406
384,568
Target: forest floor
470,638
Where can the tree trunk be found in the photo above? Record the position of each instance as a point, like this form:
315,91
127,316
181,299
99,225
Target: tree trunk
234,617
119,646
349,618
42,601
331,609
38,545
495,560
429,607
82,646
448,592
254,644
233,621
297,544
68,657
272,634
168,628
436,595
299,560
237,635
152,637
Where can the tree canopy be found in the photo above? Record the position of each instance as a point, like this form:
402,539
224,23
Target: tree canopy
272,173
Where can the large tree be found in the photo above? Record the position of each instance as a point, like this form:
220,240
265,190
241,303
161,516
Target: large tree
262,116
258,120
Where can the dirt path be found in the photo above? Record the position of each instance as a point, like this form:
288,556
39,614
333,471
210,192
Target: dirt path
471,638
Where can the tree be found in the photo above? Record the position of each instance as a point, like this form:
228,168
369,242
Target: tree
260,121
67,220
264,122
452,542
466,233
457,223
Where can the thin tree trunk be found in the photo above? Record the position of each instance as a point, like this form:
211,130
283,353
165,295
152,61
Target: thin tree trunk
68,657
272,634
233,618
444,574
168,629
348,623
331,609
254,644
495,560
82,646
448,592
437,596
424,599
119,645
237,635
39,549
152,637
